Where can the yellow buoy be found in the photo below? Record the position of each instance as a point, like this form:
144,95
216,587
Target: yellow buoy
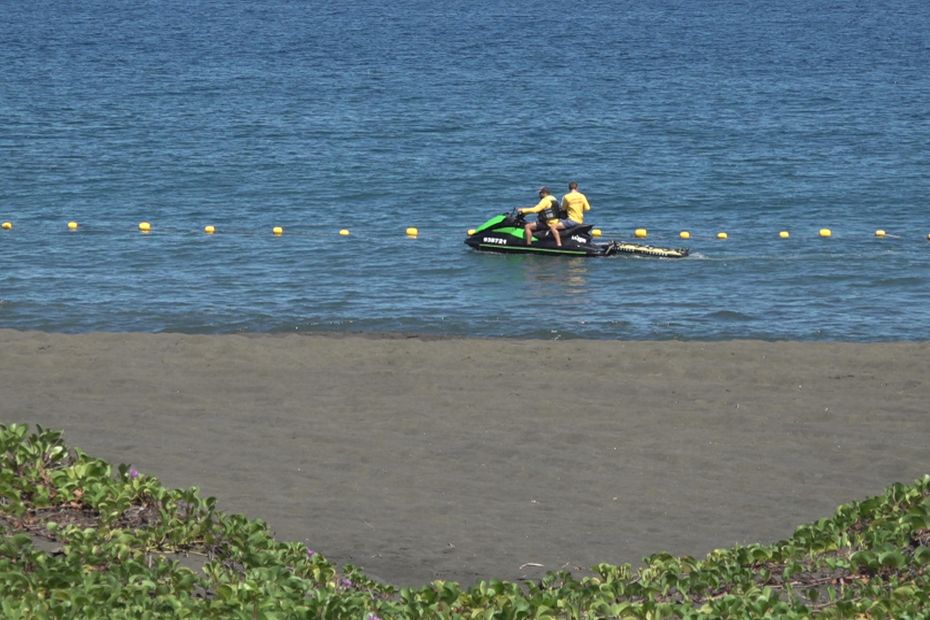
826,232
784,234
72,225
7,226
277,230
596,232
412,232
344,232
209,229
640,233
471,231
145,226
684,234
722,235
879,233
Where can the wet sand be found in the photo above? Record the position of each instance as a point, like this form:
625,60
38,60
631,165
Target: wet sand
468,458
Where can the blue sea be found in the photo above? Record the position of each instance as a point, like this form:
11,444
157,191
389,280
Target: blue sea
717,116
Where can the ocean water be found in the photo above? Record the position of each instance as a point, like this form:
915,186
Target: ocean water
748,118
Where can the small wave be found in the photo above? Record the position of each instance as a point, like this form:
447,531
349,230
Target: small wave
901,281
730,315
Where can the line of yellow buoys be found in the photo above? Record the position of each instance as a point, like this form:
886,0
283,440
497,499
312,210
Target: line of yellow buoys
412,232
642,233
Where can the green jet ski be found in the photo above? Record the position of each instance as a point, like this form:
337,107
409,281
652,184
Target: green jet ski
504,234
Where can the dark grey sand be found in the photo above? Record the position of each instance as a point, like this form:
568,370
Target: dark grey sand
461,459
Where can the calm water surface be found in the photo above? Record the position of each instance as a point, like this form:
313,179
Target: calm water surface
672,115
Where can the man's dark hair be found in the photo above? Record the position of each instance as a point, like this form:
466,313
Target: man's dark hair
573,185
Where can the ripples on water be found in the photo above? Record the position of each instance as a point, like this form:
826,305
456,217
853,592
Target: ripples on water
672,116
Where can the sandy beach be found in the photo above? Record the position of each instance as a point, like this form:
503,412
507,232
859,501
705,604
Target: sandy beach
460,459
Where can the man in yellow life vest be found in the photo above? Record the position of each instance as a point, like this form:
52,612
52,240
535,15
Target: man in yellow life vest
548,209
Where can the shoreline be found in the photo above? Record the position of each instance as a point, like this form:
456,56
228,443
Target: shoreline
462,458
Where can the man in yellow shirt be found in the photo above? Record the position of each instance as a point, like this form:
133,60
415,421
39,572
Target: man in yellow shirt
548,209
574,203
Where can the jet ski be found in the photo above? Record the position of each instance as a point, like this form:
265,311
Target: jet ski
504,234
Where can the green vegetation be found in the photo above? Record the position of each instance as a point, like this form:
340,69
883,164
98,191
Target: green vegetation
82,541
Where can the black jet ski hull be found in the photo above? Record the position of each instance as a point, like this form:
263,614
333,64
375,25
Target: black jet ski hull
504,234
574,244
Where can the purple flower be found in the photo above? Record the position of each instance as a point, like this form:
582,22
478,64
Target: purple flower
133,473
374,617
345,583
310,552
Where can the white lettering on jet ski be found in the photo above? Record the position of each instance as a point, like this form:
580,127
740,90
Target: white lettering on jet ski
496,240
579,239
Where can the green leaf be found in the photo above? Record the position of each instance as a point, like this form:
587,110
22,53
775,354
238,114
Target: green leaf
922,555
892,559
865,559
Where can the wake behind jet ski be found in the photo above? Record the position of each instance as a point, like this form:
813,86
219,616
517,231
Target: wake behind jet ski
504,233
